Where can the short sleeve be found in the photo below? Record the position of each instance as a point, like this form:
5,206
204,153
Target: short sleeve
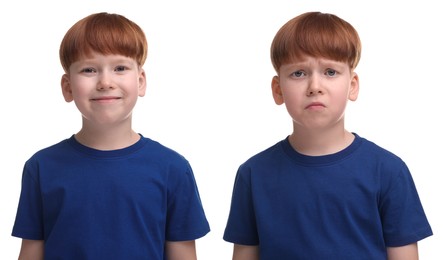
29,219
241,227
186,218
402,214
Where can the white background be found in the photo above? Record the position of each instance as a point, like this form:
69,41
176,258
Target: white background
209,98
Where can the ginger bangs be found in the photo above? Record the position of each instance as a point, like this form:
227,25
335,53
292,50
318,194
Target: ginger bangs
318,35
106,34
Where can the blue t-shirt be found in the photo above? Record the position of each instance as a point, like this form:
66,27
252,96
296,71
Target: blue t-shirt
121,204
348,205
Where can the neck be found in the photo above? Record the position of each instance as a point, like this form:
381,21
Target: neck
317,143
107,137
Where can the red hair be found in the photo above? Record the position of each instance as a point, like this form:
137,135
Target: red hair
318,35
103,33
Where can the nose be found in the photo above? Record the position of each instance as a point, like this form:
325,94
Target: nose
314,87
105,82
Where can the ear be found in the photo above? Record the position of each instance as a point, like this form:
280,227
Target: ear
142,83
66,88
355,87
276,91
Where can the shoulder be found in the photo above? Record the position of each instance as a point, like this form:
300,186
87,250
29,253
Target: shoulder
54,150
164,158
379,161
265,156
369,150
263,162
161,152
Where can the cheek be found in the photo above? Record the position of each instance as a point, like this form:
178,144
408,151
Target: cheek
293,95
79,92
293,102
339,102
81,86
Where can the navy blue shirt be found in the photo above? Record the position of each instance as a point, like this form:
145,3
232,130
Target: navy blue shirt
348,205
120,204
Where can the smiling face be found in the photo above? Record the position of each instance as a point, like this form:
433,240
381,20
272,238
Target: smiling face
104,88
315,91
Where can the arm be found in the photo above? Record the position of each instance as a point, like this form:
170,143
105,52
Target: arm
183,250
32,250
242,252
408,252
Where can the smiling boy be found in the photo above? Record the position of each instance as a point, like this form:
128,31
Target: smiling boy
107,192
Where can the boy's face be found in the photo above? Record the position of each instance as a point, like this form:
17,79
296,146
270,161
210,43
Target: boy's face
104,88
315,91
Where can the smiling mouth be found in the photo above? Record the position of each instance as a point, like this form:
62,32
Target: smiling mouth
105,98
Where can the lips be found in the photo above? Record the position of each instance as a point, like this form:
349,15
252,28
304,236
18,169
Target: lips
107,98
314,105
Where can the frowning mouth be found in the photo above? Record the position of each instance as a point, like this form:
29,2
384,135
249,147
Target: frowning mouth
315,105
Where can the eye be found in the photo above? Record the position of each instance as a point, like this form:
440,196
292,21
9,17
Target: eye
298,74
331,72
88,70
120,68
